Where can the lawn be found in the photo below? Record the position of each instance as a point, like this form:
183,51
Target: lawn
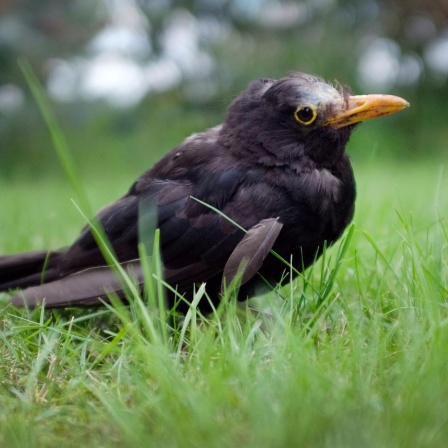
353,354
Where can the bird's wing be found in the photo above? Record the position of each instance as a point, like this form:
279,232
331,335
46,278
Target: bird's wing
190,231
195,240
250,253
195,244
165,197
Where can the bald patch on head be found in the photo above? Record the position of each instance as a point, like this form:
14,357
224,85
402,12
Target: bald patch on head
302,87
321,94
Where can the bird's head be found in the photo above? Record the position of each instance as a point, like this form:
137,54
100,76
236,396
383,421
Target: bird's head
303,115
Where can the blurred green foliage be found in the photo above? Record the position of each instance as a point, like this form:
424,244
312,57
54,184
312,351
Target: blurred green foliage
235,41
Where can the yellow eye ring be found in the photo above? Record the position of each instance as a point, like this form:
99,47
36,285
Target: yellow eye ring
305,115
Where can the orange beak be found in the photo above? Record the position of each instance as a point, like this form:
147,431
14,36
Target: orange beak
364,107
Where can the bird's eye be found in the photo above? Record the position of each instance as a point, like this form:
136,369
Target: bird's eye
305,115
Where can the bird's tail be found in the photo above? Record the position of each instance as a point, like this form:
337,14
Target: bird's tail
27,269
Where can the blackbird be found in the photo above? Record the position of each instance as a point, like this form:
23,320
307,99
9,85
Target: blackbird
273,177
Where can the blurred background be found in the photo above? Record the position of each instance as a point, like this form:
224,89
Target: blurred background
129,79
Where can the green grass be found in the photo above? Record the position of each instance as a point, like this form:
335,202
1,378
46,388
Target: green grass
364,367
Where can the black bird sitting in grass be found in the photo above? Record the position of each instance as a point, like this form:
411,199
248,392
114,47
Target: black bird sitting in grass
276,167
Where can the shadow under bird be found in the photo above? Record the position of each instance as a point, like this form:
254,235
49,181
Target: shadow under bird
277,167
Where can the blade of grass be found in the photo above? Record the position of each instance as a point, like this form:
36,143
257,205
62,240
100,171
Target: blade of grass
60,143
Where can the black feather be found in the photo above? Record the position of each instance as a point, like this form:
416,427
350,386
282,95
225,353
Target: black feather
250,253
